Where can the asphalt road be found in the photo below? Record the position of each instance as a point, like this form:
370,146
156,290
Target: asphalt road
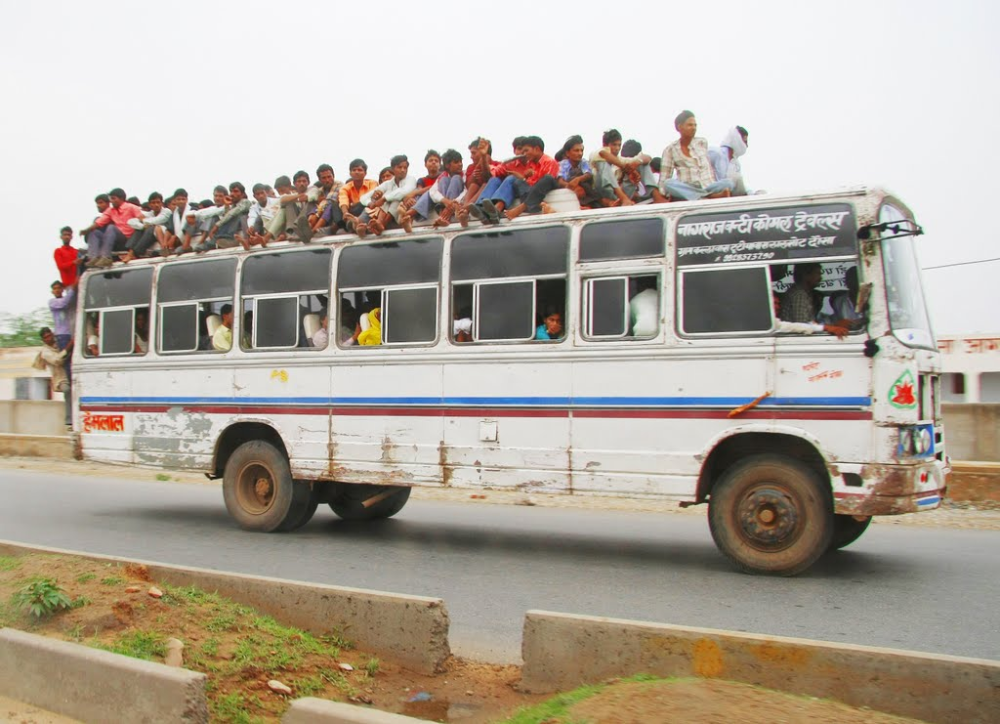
924,589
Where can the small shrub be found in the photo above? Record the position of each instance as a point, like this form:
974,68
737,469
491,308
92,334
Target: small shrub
162,477
371,666
42,598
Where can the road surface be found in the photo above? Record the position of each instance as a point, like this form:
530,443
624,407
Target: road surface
924,589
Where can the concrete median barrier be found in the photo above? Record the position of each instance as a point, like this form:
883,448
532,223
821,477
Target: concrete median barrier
561,652
93,685
321,711
410,630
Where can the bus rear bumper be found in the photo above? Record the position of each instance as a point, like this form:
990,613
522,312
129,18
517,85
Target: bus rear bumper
893,490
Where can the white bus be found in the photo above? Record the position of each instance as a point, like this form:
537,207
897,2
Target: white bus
693,391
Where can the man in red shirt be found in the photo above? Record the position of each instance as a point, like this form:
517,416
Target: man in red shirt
115,231
65,257
541,176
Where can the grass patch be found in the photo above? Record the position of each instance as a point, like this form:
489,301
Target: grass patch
86,577
139,645
211,647
112,581
9,563
162,477
555,710
233,708
371,666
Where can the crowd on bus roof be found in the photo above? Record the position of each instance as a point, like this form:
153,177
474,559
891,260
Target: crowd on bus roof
485,190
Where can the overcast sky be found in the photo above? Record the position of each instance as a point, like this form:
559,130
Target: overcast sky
160,95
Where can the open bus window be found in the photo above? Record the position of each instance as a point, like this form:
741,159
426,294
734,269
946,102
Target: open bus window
622,307
284,295
726,301
389,292
505,283
827,293
509,310
116,304
190,297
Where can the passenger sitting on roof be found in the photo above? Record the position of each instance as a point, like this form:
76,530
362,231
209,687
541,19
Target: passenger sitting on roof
352,191
432,162
506,184
639,182
477,175
382,204
611,171
541,177
445,195
725,159
688,156
230,227
576,174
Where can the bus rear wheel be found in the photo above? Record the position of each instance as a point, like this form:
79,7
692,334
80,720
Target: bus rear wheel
770,514
847,529
259,490
348,501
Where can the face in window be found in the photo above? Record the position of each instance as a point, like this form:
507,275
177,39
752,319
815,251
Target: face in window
554,325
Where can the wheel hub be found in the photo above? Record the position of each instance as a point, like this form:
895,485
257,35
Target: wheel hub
768,518
255,489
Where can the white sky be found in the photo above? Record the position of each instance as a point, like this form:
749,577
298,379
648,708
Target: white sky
160,95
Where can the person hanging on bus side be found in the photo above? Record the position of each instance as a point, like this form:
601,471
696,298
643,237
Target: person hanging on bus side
222,340
382,204
224,231
725,158
541,178
351,192
445,194
639,182
506,184
688,157
66,257
112,230
432,162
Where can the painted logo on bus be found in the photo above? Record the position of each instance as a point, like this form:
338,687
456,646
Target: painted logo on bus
901,393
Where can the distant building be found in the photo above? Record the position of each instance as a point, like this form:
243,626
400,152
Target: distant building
971,366
18,379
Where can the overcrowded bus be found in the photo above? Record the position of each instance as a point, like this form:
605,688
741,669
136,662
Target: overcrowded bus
637,352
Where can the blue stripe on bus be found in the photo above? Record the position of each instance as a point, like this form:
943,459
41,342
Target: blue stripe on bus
496,401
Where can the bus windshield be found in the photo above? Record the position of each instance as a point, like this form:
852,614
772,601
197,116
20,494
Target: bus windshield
904,291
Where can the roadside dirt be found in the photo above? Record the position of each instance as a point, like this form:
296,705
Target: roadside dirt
240,650
119,608
979,516
709,701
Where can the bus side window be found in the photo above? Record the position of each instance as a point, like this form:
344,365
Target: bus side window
622,239
284,294
389,292
504,284
622,307
726,301
118,302
190,296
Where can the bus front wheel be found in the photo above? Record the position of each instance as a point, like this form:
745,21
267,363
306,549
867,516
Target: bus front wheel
260,492
383,501
770,514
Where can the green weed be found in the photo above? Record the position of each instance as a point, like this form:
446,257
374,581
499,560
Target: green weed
112,581
9,563
86,577
41,598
